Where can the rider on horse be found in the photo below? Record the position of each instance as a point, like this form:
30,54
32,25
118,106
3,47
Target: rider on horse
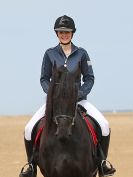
69,55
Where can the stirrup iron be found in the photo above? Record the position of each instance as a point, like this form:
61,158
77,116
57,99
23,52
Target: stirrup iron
30,166
102,171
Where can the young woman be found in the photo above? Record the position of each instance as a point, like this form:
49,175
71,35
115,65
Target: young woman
69,55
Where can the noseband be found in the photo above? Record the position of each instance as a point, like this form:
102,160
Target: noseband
64,117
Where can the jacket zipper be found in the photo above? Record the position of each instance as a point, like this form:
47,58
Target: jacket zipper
66,58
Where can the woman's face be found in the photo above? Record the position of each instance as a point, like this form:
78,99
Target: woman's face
64,36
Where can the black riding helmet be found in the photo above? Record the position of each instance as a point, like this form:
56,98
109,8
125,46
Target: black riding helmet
64,23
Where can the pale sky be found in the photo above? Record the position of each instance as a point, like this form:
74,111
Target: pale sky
104,29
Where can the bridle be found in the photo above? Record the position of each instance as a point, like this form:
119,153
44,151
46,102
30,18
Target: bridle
64,117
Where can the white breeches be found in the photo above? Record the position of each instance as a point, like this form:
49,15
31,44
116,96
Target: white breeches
91,110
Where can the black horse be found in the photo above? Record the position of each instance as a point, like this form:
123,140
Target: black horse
66,148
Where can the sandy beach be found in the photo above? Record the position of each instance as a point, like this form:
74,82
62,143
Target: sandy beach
12,152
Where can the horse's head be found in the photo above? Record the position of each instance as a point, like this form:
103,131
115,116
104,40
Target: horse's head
64,87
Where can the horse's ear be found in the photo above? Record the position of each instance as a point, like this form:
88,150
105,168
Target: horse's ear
54,69
56,72
78,72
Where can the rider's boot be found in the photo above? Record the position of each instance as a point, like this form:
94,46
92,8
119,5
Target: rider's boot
32,169
104,170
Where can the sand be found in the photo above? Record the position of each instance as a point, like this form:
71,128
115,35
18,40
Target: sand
13,157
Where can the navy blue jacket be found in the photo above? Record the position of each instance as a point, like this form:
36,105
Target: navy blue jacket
77,55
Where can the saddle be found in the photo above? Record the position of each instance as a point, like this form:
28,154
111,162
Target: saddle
37,131
91,123
95,130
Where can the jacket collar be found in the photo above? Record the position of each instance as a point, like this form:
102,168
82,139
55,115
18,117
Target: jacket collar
74,48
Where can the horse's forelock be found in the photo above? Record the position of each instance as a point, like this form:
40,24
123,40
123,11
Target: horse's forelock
62,91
